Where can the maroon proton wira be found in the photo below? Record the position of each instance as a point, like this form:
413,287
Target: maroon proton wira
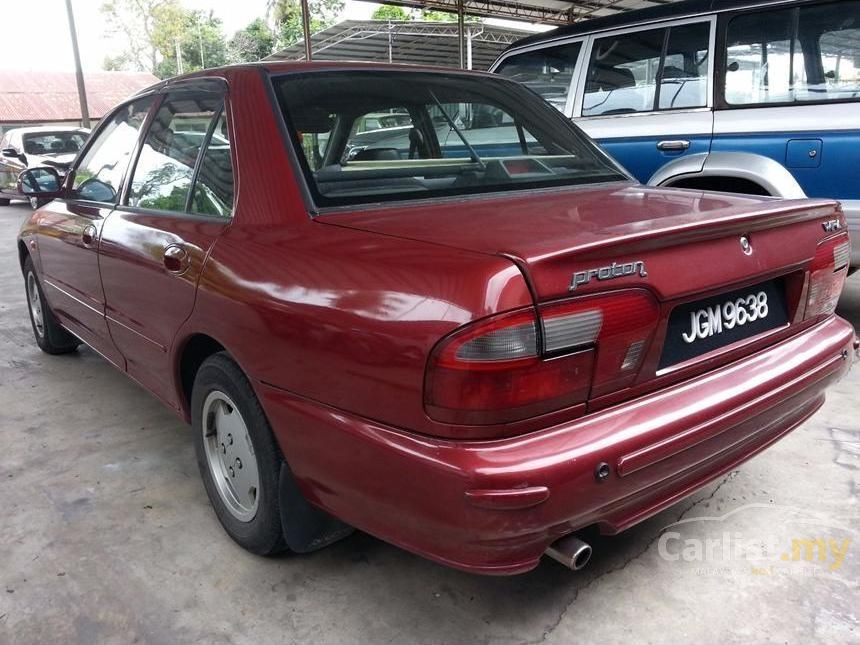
462,329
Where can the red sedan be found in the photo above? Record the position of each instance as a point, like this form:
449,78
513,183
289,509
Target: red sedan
468,333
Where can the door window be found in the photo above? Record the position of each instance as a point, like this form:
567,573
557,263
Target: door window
165,168
809,53
547,71
647,70
213,190
99,175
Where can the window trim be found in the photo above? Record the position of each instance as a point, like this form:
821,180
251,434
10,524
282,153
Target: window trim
224,109
710,19
725,18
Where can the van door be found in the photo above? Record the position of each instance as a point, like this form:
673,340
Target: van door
646,93
789,90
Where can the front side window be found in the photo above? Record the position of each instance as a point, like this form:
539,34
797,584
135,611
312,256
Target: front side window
165,168
464,135
547,71
99,175
642,71
809,53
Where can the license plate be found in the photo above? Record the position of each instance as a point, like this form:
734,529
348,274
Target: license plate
700,327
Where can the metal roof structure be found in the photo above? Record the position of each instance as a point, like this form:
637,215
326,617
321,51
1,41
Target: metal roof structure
548,12
416,42
41,97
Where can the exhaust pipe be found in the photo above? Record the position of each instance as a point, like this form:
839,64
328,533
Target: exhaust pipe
570,551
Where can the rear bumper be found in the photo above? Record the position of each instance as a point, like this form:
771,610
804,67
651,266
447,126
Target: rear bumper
494,506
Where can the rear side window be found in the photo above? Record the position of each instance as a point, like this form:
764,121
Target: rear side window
213,190
809,53
99,175
657,69
547,71
165,168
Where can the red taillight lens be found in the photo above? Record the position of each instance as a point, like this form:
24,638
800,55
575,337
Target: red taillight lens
515,366
628,322
827,276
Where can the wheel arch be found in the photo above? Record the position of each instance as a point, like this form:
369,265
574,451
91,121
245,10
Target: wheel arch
729,168
192,353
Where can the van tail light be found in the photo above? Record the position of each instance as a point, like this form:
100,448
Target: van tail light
827,275
526,363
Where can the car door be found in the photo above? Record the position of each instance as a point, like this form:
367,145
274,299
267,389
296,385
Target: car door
790,91
177,201
645,96
70,228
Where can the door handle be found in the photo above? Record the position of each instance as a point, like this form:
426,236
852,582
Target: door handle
176,259
673,146
88,235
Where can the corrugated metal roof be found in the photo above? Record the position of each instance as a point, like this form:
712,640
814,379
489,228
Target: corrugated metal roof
415,42
53,96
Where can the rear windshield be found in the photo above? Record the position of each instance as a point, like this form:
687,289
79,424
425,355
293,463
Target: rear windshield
46,143
377,136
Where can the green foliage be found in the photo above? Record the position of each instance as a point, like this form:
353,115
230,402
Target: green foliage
287,17
390,12
254,42
438,16
153,28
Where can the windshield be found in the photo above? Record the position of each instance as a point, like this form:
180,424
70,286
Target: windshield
47,143
365,136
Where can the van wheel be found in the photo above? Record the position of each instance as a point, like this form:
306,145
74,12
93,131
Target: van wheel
239,461
50,337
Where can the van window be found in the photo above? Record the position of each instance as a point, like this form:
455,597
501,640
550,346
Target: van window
547,71
647,70
810,53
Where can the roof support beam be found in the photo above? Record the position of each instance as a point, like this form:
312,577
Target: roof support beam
306,28
461,20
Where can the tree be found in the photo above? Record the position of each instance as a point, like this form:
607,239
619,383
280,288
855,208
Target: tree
287,17
438,16
155,29
253,43
136,20
390,12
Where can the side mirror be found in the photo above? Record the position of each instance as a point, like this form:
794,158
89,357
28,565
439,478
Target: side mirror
43,182
9,152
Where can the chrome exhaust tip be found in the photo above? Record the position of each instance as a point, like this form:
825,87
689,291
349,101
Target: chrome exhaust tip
570,551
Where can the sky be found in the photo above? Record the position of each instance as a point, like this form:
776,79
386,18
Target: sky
39,40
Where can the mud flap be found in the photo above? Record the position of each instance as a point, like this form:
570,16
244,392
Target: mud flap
306,528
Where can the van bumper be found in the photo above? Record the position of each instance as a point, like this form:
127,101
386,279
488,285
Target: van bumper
493,507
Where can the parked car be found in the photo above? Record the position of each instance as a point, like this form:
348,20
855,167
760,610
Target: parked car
750,96
471,348
22,148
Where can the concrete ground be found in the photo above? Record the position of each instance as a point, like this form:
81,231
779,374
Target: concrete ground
107,537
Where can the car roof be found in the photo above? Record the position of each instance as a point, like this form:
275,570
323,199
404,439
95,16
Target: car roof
669,11
286,67
44,129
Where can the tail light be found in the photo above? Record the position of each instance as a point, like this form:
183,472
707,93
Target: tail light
518,365
827,276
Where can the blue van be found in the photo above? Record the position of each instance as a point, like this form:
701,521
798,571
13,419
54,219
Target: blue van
752,96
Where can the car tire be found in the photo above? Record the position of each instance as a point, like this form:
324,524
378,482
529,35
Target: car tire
4,201
239,460
50,336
